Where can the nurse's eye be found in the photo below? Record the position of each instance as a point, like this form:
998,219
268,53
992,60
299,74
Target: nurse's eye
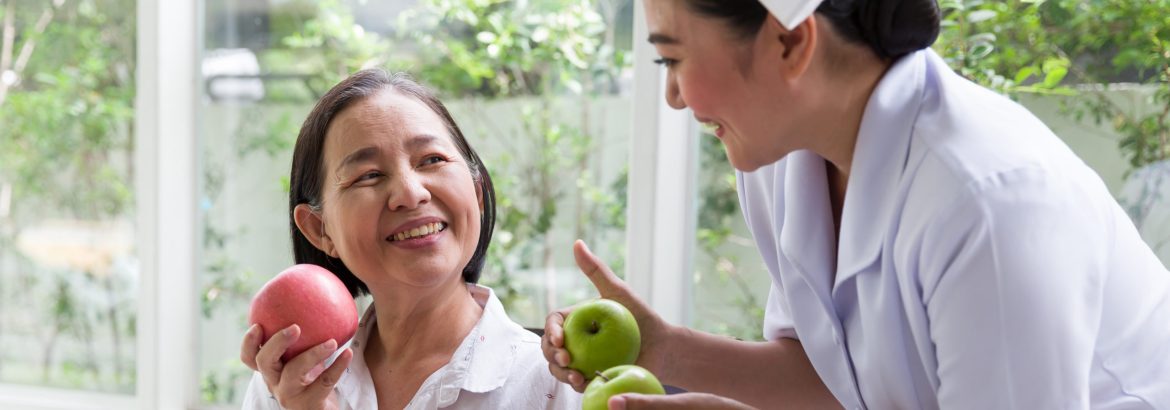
666,62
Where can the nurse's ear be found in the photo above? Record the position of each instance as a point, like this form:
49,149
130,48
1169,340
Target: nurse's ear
795,47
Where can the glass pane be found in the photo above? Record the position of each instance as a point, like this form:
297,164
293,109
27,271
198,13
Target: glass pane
540,88
68,270
731,282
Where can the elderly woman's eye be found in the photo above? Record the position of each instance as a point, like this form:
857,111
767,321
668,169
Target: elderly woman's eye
369,175
433,159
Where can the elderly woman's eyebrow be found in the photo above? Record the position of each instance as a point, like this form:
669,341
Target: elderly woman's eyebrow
361,155
421,140
415,143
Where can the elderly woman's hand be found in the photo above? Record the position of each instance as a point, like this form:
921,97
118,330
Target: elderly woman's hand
651,326
303,382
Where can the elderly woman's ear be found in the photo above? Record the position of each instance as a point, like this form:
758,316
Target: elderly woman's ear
312,226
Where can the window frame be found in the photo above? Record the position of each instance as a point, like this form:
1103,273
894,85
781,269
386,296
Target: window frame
662,189
166,131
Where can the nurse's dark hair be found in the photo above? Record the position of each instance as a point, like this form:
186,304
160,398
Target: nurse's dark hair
891,28
308,171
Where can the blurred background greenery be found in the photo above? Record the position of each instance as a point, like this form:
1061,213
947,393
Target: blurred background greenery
541,87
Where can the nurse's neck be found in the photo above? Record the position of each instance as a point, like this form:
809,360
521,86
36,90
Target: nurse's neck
850,78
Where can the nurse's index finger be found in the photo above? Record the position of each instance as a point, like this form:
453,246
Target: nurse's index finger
602,277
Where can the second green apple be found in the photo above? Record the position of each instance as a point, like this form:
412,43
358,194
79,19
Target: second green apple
601,334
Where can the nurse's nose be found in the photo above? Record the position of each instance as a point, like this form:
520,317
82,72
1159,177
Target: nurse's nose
673,94
408,192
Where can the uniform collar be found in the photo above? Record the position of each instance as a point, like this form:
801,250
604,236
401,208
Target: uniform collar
879,162
480,364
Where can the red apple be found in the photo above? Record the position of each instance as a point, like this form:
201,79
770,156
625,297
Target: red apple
311,297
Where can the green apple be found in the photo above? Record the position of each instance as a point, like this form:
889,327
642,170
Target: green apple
617,380
601,334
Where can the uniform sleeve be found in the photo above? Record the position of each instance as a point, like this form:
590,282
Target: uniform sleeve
1012,282
257,397
777,322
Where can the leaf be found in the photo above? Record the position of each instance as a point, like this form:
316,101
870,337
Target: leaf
981,15
1054,77
1025,73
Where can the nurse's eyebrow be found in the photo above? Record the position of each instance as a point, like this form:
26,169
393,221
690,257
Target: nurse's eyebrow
656,38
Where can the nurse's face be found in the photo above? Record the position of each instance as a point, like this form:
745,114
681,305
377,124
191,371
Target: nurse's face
399,202
729,82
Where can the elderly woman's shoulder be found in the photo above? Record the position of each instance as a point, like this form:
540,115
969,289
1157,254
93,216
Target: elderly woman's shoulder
530,372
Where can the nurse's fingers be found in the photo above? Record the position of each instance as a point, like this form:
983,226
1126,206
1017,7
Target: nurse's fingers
607,284
268,361
250,346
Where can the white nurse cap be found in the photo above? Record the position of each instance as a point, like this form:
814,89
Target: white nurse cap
791,13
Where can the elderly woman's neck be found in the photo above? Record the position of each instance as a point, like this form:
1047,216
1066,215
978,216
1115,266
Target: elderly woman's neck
414,324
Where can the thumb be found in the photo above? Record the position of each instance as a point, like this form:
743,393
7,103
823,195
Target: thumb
607,284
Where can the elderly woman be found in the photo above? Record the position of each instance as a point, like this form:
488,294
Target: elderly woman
387,193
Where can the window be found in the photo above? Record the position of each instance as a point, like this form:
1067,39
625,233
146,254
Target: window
69,271
541,89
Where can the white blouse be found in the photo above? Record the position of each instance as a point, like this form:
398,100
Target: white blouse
499,365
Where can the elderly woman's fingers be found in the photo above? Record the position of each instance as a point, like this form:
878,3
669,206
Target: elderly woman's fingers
268,361
250,347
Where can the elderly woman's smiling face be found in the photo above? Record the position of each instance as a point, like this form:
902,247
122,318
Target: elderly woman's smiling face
399,202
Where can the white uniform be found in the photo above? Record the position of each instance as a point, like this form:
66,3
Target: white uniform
982,265
498,365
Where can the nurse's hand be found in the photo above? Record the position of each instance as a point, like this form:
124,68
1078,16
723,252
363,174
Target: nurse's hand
675,401
653,329
303,382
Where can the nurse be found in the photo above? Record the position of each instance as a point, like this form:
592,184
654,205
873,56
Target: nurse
931,243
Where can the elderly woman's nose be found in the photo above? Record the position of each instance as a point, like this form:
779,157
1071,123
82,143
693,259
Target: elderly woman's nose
407,191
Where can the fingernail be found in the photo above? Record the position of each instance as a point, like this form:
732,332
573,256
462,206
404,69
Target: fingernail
575,379
329,346
562,360
251,330
617,403
288,331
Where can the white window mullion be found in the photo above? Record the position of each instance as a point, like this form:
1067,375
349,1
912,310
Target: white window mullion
661,214
166,183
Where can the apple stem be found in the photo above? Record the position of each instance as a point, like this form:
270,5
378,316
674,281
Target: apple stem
602,376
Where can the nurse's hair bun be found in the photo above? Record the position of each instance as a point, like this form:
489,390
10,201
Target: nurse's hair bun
891,28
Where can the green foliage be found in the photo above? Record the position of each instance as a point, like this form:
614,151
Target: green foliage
498,48
1043,46
67,121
